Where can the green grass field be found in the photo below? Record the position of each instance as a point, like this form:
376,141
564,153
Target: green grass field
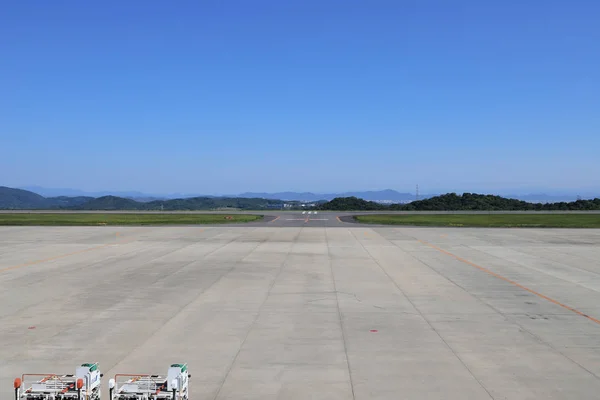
488,220
35,219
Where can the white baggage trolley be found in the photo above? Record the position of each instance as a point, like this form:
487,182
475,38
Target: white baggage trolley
174,386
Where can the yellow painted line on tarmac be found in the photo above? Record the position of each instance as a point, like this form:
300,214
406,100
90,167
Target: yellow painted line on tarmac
543,296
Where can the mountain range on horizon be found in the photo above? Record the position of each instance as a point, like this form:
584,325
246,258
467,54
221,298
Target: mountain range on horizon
386,195
19,199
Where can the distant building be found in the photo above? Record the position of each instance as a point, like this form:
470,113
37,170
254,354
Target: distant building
277,206
393,201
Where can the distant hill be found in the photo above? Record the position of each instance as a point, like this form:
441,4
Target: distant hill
66,192
134,195
65,201
208,203
387,195
194,203
480,202
546,198
467,201
146,199
11,198
377,195
19,199
16,198
464,202
351,203
110,203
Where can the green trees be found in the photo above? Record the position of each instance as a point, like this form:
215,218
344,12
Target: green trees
464,202
351,203
17,199
187,204
22,199
468,201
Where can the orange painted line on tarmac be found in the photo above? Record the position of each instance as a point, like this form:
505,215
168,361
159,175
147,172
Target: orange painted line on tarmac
273,220
551,300
43,260
338,218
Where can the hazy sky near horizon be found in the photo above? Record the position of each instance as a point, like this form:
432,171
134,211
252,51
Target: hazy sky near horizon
312,95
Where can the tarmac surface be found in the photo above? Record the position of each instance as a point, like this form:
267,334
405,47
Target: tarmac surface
317,309
314,219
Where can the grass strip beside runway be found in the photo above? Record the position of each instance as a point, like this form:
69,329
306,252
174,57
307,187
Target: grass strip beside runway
487,220
51,219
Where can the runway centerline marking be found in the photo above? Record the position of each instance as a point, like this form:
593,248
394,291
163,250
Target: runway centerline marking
540,295
307,219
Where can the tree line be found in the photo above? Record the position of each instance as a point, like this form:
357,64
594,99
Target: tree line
457,202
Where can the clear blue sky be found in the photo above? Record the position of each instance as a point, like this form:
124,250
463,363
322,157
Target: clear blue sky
316,95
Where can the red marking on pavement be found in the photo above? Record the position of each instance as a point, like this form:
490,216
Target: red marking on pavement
373,330
31,327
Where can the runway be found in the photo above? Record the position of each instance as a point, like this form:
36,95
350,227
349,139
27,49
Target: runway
312,219
309,308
